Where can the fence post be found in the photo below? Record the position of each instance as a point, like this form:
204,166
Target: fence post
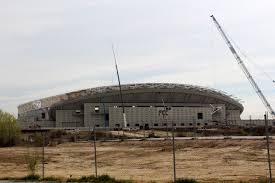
174,153
43,155
267,146
95,152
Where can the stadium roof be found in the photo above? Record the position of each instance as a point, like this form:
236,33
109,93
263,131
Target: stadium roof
130,88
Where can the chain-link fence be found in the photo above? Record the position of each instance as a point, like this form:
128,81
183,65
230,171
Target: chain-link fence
141,156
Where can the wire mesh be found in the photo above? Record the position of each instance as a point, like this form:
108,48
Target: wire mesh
133,156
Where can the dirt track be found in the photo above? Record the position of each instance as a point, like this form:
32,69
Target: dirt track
204,160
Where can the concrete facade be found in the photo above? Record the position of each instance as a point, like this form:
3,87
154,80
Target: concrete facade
256,122
189,106
151,117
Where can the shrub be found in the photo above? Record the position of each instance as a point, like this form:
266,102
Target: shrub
72,180
87,179
255,131
72,137
32,160
100,179
57,133
51,179
9,129
31,178
38,139
243,132
7,178
152,135
186,181
105,178
180,134
263,181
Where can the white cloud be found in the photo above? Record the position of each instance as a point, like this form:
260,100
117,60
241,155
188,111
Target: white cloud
50,47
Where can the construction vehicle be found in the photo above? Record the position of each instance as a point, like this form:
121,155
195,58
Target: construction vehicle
244,69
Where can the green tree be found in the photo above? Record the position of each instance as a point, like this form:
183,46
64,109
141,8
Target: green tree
9,129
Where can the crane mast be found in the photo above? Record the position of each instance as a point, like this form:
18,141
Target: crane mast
244,69
120,92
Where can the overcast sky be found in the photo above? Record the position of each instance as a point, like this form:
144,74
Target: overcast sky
52,47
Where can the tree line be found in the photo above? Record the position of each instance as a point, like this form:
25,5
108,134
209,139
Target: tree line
9,129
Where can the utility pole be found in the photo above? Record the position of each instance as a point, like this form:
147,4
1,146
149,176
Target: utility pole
267,146
43,155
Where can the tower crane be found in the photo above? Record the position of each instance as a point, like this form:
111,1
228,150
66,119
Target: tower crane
244,69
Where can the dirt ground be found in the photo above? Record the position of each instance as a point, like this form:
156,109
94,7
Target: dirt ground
144,161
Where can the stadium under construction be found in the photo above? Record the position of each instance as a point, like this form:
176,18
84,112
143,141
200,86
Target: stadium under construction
148,105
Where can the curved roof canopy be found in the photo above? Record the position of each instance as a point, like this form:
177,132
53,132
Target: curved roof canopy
137,93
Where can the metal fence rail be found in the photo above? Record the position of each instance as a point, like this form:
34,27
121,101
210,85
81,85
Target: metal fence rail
140,157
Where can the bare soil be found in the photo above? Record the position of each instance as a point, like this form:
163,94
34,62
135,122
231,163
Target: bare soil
144,161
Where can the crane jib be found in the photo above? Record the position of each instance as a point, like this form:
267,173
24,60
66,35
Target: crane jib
245,70
232,50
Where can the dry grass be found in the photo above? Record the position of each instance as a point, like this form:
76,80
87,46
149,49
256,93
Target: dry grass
205,160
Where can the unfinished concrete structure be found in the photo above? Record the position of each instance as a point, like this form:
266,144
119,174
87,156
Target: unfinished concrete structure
187,106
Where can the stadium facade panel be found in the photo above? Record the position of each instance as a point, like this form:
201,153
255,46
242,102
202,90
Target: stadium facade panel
187,106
